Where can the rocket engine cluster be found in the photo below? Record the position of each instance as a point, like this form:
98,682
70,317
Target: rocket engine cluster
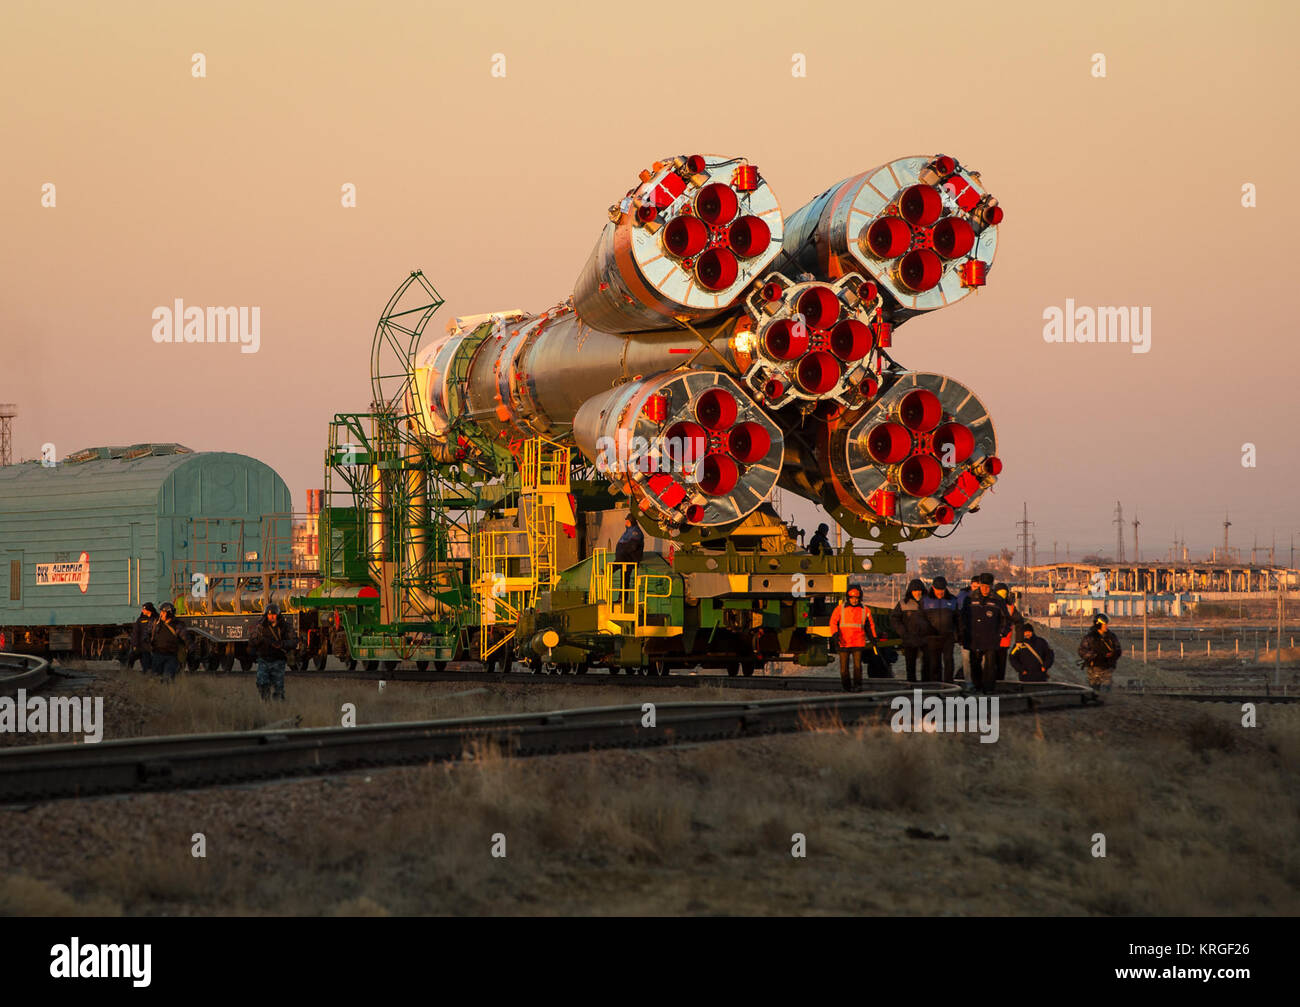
714,349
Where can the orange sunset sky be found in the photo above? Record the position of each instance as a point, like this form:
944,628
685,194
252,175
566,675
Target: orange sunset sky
1122,190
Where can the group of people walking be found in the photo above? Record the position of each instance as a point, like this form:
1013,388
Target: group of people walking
160,640
931,622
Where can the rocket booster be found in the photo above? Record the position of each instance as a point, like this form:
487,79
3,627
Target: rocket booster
713,349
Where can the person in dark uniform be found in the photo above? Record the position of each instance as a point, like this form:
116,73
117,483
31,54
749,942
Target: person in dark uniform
941,611
819,544
167,641
1032,655
984,622
630,548
962,595
1008,599
852,621
141,631
1099,650
913,627
273,640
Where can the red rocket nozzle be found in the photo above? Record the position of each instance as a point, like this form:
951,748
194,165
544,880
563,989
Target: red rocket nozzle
920,205
749,236
943,514
771,291
774,389
694,514
819,307
953,237
696,163
888,238
685,236
720,475
716,204
716,269
749,442
850,340
716,409
786,340
990,215
920,475
868,291
817,373
962,442
888,443
684,445
920,410
919,270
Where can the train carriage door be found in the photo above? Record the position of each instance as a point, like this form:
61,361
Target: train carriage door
13,598
133,566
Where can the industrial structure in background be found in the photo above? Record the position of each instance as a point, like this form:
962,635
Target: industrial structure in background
7,413
712,350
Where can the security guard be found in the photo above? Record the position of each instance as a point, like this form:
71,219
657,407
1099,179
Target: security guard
167,640
1099,652
857,631
273,640
141,631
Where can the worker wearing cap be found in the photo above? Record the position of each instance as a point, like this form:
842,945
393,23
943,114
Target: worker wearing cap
1099,652
1008,598
941,611
962,596
857,631
983,623
1031,655
273,640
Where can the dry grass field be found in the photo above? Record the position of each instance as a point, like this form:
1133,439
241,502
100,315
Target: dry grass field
1199,815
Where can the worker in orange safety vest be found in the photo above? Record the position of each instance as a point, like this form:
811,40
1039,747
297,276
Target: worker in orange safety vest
857,631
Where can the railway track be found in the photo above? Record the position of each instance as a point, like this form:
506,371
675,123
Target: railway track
21,671
47,772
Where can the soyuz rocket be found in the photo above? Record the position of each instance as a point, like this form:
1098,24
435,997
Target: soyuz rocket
714,348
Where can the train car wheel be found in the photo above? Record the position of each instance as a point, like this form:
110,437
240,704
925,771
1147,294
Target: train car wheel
228,661
439,665
582,667
747,668
421,665
733,669
319,661
389,665
351,663
370,665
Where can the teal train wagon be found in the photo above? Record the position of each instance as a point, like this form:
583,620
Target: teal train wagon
85,542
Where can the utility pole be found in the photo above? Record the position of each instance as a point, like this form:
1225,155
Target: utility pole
1053,552
1024,525
1137,553
1226,525
1034,548
1119,532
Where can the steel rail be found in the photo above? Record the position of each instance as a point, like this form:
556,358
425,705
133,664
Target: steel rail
46,772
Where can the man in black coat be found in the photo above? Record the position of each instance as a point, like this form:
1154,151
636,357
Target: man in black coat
983,624
168,641
941,611
630,548
1031,655
912,626
962,596
141,631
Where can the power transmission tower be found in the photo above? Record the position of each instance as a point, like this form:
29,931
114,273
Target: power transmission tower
1034,549
1024,525
1119,532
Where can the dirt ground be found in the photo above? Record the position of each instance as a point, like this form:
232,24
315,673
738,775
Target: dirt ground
1199,816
